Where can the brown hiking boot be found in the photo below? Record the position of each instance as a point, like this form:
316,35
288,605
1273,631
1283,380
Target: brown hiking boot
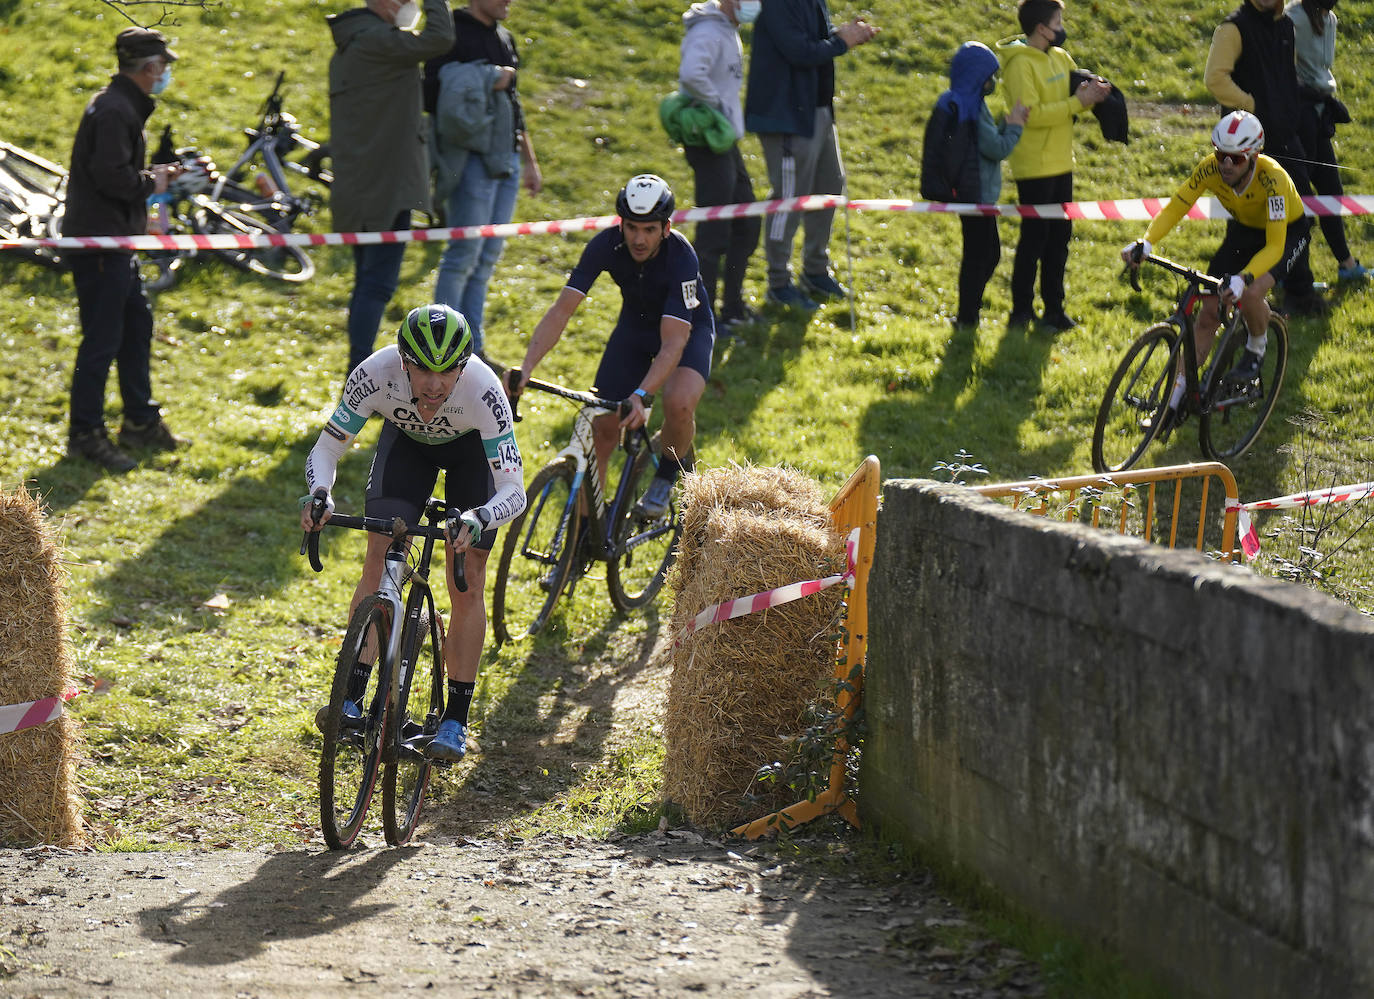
155,436
96,446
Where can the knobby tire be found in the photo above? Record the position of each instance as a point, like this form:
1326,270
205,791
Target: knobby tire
1234,415
349,758
283,263
418,703
644,549
1138,391
537,557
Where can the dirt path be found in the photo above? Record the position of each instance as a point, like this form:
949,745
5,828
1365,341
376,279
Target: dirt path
660,914
472,913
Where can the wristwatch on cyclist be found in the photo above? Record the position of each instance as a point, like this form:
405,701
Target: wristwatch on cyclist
644,397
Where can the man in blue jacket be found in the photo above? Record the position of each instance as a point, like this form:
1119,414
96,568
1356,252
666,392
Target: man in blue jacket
790,106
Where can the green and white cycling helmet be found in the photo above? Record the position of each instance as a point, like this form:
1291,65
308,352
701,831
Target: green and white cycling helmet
435,337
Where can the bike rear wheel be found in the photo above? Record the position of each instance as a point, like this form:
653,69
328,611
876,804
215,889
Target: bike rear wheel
538,553
418,701
283,263
1234,414
644,547
352,751
1129,416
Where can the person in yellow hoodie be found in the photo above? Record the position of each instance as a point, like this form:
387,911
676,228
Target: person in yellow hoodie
1035,72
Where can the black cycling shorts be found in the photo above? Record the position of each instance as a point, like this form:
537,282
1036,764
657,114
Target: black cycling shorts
630,351
404,472
1241,243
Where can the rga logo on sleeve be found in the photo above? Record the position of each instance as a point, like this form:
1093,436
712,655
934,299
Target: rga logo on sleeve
1278,209
689,294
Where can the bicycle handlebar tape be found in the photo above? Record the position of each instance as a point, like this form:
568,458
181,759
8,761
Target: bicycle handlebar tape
512,380
310,544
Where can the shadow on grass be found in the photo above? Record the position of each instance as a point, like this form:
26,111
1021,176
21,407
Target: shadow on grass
291,896
243,540
532,750
967,406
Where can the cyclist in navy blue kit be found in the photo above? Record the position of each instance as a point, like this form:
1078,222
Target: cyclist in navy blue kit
662,339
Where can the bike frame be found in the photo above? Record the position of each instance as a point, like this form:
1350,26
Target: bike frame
1184,317
601,518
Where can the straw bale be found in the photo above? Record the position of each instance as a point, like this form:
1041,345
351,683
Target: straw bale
38,791
739,689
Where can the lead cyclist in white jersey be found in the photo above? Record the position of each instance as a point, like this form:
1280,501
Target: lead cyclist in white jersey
444,409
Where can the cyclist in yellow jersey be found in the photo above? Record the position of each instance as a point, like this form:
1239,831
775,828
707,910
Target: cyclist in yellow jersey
1266,235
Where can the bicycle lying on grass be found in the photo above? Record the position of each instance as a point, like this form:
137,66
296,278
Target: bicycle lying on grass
205,201
32,197
391,666
1230,413
567,525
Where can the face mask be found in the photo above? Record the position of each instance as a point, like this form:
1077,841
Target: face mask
1060,37
161,83
408,16
748,11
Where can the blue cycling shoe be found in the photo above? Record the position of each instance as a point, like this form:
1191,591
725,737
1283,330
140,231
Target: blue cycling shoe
450,743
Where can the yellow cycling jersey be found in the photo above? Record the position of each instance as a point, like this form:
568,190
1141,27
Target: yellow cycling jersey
1269,202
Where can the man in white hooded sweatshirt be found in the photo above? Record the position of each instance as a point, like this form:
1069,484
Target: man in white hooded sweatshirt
712,72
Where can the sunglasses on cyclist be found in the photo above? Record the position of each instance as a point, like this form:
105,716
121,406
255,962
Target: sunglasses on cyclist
1235,159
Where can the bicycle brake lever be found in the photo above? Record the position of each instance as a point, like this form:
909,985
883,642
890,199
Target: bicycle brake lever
460,576
310,543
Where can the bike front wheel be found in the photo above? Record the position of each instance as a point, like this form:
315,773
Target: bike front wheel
353,745
1236,412
644,546
1129,416
418,703
282,263
538,553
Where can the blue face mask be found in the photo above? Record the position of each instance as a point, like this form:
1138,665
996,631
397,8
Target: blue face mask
748,11
160,84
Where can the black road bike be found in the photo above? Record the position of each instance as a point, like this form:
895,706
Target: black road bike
1230,412
391,667
568,525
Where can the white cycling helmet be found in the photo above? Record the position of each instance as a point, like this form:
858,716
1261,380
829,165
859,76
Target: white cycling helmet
646,198
1238,132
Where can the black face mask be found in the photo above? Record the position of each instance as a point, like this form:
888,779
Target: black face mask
1060,37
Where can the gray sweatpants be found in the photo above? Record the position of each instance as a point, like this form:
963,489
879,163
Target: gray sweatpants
799,165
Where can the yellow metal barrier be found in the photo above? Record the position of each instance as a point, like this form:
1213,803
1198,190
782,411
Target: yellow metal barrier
855,505
1129,519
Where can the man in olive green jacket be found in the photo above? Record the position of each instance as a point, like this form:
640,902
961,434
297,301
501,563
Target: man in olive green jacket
378,143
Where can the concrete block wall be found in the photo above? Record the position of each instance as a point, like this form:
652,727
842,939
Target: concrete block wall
1164,753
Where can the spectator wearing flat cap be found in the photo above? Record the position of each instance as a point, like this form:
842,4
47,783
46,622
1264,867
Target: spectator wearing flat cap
107,195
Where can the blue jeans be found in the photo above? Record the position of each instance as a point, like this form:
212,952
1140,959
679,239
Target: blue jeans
467,264
376,273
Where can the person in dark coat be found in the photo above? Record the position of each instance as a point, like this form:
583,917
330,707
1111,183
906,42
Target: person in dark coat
107,195
972,78
1251,67
378,143
791,107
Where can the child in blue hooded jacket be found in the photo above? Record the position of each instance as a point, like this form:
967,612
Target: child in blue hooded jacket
972,77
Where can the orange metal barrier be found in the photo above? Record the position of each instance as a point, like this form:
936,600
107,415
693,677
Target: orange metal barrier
855,505
1079,490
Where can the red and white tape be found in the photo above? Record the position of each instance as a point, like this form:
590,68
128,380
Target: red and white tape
1121,210
773,598
1249,537
17,717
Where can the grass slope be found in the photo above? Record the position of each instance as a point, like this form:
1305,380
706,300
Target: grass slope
199,722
